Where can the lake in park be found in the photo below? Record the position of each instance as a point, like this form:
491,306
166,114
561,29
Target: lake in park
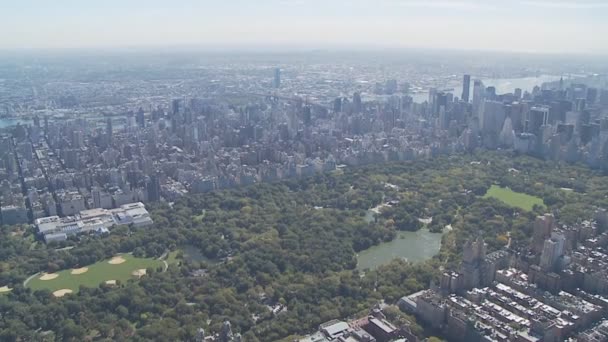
412,246
193,253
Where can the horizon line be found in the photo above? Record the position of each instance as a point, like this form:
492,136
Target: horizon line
287,48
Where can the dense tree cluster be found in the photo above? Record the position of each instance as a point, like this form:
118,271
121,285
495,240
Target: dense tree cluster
292,243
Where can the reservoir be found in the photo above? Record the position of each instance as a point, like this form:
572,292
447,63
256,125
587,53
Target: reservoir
412,246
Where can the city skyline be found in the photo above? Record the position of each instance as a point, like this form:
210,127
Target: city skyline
304,170
519,26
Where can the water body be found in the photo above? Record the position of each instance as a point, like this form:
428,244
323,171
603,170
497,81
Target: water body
118,120
503,85
412,246
193,253
9,122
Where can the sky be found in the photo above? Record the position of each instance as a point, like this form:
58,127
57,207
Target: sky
546,26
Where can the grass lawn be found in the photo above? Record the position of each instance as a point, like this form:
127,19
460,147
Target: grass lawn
172,257
514,199
199,218
97,274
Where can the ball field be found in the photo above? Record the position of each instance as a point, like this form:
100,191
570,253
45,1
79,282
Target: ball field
121,267
514,199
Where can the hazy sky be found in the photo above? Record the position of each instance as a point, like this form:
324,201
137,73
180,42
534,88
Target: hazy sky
515,25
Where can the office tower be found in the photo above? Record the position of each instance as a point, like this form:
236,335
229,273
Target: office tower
277,78
432,94
140,119
307,115
109,130
153,188
492,117
507,134
444,118
292,123
603,97
175,106
439,100
77,139
478,96
580,104
37,121
517,93
72,158
46,125
573,118
592,95
26,150
466,87
338,105
357,102
539,116
156,114
491,93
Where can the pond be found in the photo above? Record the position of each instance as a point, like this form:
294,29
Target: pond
412,246
193,253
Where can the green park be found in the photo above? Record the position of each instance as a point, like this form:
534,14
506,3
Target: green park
118,269
514,199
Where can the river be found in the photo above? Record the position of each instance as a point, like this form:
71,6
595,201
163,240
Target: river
8,122
412,246
503,85
118,120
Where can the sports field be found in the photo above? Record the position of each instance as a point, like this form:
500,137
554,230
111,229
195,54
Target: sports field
122,267
514,199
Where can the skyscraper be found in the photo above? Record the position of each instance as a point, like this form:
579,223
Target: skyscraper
543,226
538,116
277,78
46,124
338,105
478,95
109,130
466,87
175,106
553,249
140,118
307,115
517,93
153,188
357,102
472,257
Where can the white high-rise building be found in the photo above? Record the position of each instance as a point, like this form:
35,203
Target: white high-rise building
478,95
553,249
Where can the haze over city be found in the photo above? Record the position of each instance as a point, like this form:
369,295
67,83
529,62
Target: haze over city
304,171
550,26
